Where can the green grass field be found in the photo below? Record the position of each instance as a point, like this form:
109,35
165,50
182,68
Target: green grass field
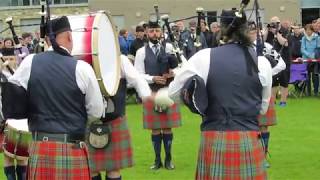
294,145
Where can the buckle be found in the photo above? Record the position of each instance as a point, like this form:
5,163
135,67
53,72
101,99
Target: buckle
45,138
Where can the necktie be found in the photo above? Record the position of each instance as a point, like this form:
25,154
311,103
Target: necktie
156,49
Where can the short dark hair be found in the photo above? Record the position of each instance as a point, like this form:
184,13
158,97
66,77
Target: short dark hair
139,29
309,26
25,35
9,39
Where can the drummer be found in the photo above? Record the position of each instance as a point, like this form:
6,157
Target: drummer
117,154
63,94
11,170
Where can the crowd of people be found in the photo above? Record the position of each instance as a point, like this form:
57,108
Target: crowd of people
235,101
301,42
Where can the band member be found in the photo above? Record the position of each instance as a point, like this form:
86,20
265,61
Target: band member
155,61
118,153
278,37
61,95
268,119
11,170
190,37
238,87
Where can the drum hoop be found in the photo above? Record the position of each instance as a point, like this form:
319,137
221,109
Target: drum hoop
13,156
95,59
8,126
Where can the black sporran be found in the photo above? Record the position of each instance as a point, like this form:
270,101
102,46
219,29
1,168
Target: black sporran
99,135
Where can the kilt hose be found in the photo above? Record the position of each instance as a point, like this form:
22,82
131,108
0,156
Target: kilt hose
268,119
51,160
118,154
230,155
155,120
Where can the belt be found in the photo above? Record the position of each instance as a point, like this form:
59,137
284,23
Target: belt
65,138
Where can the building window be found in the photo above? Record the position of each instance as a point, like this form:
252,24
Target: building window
4,3
36,2
26,2
119,22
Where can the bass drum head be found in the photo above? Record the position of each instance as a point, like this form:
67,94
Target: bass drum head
106,62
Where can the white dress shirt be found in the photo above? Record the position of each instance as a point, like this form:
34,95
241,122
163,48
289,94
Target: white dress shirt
199,64
86,81
140,57
281,64
134,78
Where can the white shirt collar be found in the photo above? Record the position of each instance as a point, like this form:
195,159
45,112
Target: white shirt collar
151,44
51,49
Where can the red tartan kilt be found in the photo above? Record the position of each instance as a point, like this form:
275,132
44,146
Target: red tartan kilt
118,154
156,120
56,160
268,119
230,155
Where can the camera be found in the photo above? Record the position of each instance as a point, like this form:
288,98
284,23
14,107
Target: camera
273,25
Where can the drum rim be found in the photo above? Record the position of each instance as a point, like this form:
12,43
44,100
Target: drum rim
9,154
95,59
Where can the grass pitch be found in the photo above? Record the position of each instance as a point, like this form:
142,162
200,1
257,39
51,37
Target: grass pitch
294,145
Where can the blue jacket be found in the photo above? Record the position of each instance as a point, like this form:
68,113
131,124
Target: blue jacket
308,46
125,44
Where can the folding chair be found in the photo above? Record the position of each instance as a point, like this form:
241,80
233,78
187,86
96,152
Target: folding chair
298,80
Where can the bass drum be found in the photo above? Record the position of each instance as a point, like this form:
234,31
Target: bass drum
17,139
95,41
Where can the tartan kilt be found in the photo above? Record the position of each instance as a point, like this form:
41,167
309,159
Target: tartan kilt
156,120
230,155
268,119
118,154
52,160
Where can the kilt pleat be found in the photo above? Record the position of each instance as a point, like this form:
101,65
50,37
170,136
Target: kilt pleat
155,120
118,154
268,119
234,155
57,161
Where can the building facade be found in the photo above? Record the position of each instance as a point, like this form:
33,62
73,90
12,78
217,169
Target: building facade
130,12
25,13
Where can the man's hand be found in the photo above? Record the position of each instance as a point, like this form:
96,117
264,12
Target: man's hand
169,75
159,80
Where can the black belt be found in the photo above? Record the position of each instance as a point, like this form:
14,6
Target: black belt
65,138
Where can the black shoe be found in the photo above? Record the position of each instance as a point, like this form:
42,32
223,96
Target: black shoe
168,165
156,165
